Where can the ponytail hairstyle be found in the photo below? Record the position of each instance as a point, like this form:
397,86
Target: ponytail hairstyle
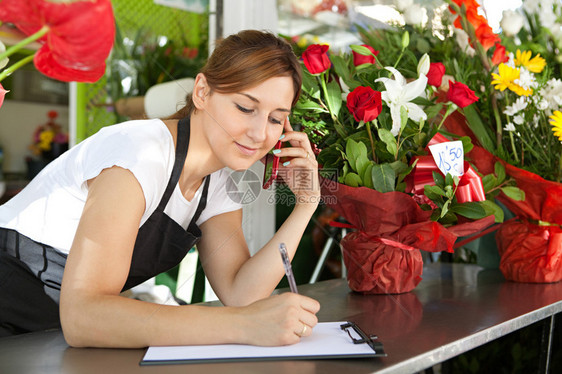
245,60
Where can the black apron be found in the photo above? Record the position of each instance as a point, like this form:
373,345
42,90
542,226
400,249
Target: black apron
31,272
161,242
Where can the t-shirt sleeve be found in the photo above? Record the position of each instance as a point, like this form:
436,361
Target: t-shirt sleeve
223,196
141,149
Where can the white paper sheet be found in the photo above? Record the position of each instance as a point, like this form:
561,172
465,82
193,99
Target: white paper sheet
327,340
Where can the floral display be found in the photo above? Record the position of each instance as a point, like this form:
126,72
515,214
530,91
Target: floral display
514,121
49,140
374,124
68,53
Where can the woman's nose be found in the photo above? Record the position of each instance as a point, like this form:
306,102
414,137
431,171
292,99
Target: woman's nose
257,130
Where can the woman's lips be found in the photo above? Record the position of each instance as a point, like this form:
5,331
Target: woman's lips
246,150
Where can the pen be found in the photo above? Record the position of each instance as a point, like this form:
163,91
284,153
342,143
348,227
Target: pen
288,268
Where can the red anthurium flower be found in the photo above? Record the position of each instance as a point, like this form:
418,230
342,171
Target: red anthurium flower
364,103
316,59
435,73
359,59
3,93
79,35
460,94
499,55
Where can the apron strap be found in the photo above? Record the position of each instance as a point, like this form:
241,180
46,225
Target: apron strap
202,201
182,143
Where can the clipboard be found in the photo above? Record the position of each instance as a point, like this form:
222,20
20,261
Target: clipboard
329,340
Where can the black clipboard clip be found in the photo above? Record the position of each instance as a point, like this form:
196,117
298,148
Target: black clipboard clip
365,339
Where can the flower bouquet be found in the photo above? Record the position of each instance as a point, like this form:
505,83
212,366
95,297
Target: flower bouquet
518,122
385,167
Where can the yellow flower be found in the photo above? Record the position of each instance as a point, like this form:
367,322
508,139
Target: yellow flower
534,65
556,123
506,79
45,139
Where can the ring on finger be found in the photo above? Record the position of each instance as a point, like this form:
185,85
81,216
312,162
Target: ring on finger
303,329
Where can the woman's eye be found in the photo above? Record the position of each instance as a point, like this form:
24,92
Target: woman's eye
274,120
244,110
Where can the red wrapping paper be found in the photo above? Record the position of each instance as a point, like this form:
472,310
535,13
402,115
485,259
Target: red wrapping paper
383,254
529,252
470,186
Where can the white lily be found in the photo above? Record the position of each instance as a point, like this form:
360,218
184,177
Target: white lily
399,93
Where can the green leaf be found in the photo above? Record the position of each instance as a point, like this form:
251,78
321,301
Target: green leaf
466,144
340,66
448,180
472,210
362,160
333,98
388,139
433,110
433,192
489,181
423,45
310,84
438,179
352,152
361,50
383,177
499,170
368,176
514,193
352,180
445,208
492,208
480,130
309,105
399,167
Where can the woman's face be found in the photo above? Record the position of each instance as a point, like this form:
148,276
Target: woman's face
242,127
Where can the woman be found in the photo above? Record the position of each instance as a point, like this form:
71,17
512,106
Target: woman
130,201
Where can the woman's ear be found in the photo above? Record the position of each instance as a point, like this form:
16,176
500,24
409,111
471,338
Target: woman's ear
200,91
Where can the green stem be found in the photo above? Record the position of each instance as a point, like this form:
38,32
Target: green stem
450,109
337,124
499,128
368,124
13,49
559,178
513,147
15,66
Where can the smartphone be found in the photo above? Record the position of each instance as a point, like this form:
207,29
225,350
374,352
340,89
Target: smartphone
271,167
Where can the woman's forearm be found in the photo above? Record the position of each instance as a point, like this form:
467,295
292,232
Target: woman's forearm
259,276
116,321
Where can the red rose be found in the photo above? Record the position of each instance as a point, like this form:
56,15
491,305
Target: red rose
435,73
359,59
316,59
499,55
460,94
69,53
364,103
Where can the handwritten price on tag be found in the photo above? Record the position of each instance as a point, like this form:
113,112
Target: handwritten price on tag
449,157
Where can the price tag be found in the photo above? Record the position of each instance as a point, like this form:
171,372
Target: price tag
449,157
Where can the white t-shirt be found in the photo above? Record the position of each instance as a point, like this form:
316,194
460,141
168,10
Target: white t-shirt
48,209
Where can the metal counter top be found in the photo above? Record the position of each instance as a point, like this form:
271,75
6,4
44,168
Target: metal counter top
454,309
